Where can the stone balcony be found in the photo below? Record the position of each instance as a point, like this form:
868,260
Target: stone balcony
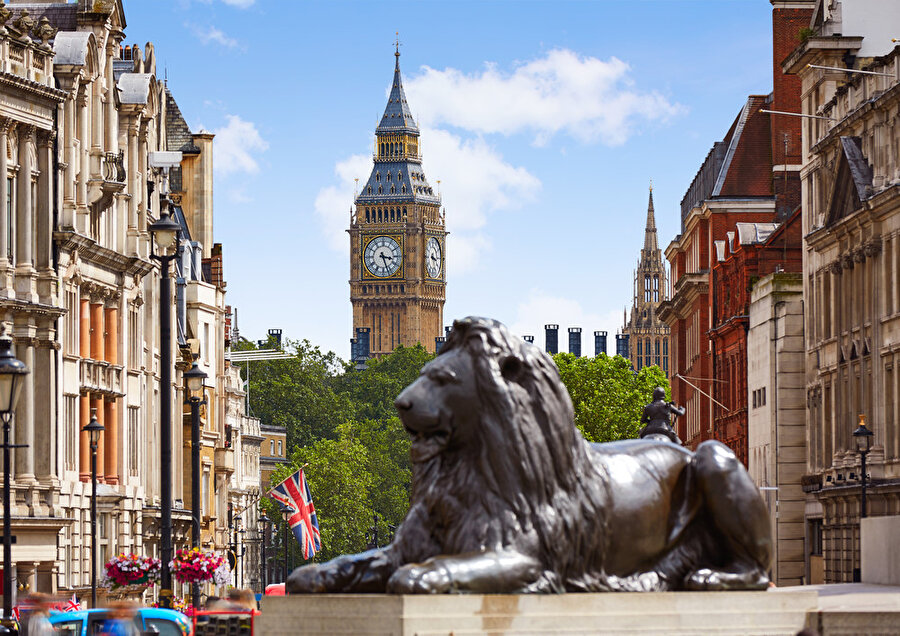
98,376
224,460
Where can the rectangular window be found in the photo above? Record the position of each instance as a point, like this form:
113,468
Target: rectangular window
71,322
72,431
204,503
134,337
205,344
9,218
133,440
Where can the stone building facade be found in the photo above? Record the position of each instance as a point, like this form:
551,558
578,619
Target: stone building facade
648,336
851,222
80,119
397,240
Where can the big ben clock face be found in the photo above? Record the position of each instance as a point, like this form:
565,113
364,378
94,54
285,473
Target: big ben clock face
383,256
433,257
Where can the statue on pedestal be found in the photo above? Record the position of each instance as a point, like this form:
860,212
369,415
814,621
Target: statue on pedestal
508,497
656,418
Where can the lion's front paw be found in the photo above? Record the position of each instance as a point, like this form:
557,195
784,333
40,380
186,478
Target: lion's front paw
306,580
418,578
706,579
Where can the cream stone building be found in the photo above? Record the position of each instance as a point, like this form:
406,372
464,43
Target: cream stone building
80,118
851,221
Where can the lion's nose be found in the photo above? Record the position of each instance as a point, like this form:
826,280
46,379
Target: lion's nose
402,404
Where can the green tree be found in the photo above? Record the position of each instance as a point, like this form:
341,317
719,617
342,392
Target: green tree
607,394
298,393
374,389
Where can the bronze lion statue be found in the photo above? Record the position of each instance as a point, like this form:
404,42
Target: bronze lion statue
508,497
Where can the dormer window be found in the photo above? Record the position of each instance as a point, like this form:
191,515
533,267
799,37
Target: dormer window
388,176
403,189
380,190
399,176
392,189
377,176
369,190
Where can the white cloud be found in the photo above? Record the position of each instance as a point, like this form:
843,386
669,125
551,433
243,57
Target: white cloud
213,34
236,146
541,308
241,4
475,181
333,203
585,97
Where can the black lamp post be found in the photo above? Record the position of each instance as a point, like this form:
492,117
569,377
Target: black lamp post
12,375
94,429
194,379
165,231
263,566
863,437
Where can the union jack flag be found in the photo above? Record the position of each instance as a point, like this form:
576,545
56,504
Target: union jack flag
295,497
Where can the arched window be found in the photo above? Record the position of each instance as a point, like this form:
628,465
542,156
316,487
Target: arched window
392,189
280,449
367,215
403,189
400,146
380,190
369,190
377,176
271,447
388,176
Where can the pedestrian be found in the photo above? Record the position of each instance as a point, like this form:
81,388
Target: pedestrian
120,621
38,623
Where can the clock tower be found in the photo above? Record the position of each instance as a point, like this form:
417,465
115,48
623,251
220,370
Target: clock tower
397,239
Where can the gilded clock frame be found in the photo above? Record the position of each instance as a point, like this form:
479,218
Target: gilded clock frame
365,239
440,239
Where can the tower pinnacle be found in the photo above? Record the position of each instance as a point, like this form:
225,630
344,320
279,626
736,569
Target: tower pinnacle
650,241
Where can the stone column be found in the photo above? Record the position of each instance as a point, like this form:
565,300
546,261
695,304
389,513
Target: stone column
134,182
110,458
111,342
98,349
84,118
69,126
97,405
24,422
84,440
24,215
5,220
44,212
46,433
84,337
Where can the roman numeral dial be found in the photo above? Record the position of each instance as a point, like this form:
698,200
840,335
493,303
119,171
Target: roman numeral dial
383,256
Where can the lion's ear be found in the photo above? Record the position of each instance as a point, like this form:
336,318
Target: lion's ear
511,368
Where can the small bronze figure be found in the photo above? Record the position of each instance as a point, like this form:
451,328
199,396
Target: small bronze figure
656,418
508,497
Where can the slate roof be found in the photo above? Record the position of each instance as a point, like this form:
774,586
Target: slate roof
397,116
860,170
178,134
63,16
405,174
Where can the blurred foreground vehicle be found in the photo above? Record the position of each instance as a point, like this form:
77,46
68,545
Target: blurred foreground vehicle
148,620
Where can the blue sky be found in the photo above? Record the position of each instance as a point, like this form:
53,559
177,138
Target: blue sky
544,121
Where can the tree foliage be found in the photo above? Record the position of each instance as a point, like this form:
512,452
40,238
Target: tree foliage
607,394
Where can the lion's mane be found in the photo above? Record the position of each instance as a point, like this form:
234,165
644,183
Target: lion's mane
529,478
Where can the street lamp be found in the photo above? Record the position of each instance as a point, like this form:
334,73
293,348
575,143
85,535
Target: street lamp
12,375
94,429
264,524
165,232
863,437
194,379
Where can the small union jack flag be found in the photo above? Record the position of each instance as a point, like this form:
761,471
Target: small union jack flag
295,497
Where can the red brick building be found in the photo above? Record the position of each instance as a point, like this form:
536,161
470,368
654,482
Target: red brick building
751,176
750,252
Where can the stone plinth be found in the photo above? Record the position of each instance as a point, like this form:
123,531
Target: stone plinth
650,613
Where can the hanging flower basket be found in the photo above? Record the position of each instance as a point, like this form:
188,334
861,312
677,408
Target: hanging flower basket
131,571
193,566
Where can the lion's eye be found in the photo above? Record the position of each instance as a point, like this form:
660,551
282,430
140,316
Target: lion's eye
442,376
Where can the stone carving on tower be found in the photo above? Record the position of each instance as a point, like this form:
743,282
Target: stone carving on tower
397,241
648,336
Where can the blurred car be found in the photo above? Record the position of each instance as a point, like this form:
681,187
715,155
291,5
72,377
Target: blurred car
148,620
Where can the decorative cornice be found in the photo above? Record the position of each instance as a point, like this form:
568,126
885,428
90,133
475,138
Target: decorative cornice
32,87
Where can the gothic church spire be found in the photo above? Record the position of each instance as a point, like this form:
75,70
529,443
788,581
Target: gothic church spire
650,241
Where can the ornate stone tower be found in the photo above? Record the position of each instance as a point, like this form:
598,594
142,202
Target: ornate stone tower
648,336
397,240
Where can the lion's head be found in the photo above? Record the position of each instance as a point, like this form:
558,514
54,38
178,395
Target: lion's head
492,430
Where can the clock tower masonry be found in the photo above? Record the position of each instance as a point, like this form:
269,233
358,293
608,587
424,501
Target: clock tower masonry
397,240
